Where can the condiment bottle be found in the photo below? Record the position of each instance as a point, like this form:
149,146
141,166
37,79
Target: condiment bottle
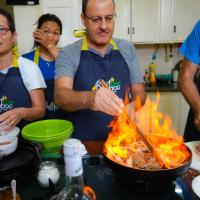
48,170
75,188
152,71
146,77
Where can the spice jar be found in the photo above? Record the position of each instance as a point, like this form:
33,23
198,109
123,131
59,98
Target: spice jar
48,170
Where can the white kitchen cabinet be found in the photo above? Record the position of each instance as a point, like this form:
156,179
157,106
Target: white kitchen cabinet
186,14
122,20
166,21
177,18
137,20
169,105
155,21
145,21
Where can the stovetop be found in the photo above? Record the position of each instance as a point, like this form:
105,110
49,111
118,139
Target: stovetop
101,178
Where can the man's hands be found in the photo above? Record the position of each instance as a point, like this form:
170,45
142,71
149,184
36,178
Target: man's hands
108,102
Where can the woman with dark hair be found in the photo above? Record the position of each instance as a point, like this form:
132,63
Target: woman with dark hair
21,82
46,37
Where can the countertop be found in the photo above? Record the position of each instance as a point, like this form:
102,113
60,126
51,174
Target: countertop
172,87
106,187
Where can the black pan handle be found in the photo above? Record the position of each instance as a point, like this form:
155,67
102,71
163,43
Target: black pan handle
33,145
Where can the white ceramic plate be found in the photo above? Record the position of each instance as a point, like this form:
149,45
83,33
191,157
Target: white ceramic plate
196,185
195,156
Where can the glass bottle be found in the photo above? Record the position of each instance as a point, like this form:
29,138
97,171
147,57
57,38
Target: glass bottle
75,188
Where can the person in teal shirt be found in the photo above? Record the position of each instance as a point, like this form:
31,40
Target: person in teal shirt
189,82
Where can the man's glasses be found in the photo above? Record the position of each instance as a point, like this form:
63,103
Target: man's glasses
99,19
3,30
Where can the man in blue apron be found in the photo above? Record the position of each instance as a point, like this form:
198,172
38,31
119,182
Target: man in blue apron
189,82
94,74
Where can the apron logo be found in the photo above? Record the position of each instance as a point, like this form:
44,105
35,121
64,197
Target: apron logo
51,107
112,84
6,104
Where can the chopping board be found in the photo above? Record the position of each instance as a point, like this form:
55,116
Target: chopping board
195,156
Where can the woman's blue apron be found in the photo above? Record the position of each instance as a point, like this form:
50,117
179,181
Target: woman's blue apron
48,72
92,125
13,93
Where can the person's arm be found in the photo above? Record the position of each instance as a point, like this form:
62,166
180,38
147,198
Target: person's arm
12,117
189,89
103,100
44,40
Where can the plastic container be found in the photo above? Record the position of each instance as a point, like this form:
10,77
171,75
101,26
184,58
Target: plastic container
50,133
8,142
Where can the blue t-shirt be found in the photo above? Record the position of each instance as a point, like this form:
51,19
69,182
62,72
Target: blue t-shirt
47,67
190,49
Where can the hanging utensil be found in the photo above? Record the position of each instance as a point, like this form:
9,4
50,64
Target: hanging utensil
166,54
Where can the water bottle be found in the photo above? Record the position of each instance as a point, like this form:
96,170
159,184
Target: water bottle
75,188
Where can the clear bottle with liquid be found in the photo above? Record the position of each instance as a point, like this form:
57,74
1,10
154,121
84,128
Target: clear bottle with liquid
75,188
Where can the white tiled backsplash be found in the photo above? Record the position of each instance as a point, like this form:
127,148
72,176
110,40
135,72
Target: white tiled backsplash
164,62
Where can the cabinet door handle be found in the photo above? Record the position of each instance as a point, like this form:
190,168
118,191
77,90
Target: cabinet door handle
174,28
128,30
133,30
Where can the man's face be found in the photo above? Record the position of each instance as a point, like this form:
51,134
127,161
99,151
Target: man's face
99,21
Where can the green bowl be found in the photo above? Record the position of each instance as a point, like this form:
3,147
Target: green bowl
50,133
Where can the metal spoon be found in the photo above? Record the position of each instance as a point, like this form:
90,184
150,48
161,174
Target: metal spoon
13,186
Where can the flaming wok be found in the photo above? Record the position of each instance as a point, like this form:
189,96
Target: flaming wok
132,161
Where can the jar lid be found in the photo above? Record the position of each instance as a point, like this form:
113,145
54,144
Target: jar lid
47,165
74,147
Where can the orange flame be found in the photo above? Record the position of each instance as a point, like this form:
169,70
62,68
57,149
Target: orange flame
123,141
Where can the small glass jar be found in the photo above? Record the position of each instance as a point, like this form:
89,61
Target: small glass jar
48,170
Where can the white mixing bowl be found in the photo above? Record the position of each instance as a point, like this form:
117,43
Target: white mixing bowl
8,142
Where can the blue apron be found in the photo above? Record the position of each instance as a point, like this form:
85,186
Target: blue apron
92,125
13,93
48,71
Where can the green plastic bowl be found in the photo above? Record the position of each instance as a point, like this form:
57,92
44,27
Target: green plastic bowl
50,133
